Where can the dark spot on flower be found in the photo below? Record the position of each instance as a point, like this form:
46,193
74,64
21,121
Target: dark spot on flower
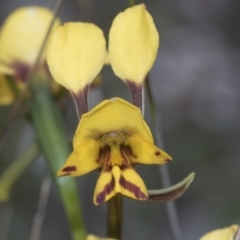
157,153
107,189
132,188
70,169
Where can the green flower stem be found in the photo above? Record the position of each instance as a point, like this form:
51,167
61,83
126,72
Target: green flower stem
15,170
49,129
114,218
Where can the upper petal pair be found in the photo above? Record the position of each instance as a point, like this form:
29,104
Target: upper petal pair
77,51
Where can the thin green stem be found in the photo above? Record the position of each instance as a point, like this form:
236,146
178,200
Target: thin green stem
114,219
15,170
49,128
164,172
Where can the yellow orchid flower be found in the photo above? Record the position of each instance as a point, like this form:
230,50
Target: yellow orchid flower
113,137
228,233
21,38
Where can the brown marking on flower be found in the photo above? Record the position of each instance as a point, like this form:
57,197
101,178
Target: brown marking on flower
127,151
168,160
157,153
69,169
136,93
104,155
125,160
100,198
132,188
21,70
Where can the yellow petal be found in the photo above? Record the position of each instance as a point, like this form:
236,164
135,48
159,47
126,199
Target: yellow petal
126,182
114,115
105,187
76,53
129,183
93,237
133,44
23,33
82,160
6,93
145,152
222,234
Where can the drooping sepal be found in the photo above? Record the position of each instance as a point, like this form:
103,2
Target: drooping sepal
171,193
105,187
125,181
130,183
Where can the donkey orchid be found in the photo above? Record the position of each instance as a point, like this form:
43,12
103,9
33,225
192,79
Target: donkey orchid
113,137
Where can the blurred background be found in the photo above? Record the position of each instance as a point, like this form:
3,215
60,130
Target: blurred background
195,83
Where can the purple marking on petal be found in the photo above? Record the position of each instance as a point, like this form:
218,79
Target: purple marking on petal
132,188
104,156
107,189
70,169
21,70
126,152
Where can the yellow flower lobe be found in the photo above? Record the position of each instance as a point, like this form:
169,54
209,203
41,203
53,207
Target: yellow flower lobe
133,44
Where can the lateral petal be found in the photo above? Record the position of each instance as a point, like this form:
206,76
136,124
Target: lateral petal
133,44
145,152
76,53
82,160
